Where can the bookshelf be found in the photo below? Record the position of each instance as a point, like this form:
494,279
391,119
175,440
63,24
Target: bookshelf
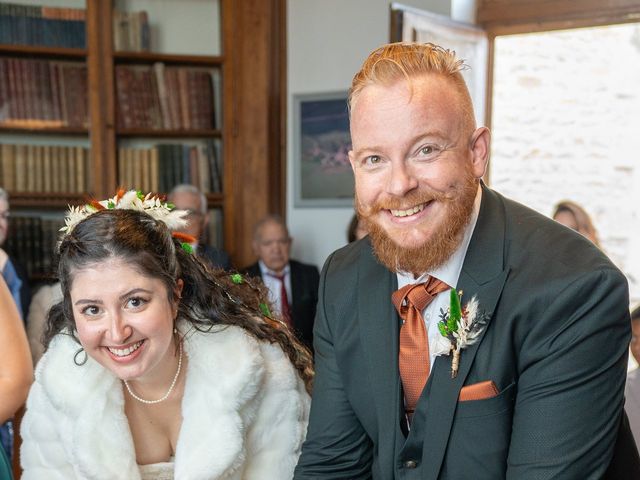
245,56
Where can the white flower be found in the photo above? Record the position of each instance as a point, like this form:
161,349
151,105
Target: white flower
440,345
151,205
468,332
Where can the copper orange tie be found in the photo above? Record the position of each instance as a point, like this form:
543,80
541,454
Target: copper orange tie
410,300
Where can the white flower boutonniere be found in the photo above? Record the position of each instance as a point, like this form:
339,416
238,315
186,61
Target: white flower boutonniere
459,327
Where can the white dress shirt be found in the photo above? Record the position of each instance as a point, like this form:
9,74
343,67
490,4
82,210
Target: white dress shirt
273,285
449,273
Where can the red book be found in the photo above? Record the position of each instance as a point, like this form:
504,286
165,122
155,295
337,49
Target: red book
4,90
183,88
54,76
123,96
173,94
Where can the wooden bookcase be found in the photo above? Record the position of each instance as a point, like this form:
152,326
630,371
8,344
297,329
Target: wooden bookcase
251,131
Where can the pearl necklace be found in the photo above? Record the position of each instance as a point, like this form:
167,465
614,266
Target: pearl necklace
166,395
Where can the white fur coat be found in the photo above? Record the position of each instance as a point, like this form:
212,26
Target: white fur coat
244,410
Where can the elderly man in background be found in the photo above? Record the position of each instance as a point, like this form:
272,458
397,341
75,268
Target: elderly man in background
293,285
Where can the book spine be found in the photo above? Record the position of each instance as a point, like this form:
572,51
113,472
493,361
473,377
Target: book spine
173,97
4,90
13,88
123,85
183,84
8,166
63,171
21,168
163,100
80,170
203,169
154,173
193,166
47,172
145,184
30,171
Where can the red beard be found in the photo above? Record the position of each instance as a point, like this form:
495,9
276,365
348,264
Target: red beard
443,242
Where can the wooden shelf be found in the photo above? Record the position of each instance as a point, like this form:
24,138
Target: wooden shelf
14,127
38,51
141,132
185,60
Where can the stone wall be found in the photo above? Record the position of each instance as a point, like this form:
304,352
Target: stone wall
566,125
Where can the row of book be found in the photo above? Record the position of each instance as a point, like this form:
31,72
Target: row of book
37,93
34,237
44,168
66,27
33,243
160,168
158,97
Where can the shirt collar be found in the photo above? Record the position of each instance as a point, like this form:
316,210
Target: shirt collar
449,271
264,270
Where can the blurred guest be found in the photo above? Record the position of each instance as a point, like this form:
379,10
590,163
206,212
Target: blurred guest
188,197
356,229
13,273
15,369
632,388
16,280
293,285
45,298
575,217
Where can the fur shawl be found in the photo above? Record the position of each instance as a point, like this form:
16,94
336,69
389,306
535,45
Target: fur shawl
245,412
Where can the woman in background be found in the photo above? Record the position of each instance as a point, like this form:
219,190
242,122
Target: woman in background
356,229
157,367
16,371
575,217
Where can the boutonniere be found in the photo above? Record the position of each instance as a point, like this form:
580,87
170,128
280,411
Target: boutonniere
460,327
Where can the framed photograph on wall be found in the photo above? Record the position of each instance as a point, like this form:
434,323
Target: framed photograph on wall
321,143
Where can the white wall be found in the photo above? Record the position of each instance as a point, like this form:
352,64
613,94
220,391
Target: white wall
565,123
327,42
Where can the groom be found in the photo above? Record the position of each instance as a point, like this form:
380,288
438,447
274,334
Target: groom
538,393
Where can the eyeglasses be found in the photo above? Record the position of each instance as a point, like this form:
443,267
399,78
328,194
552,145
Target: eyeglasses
5,215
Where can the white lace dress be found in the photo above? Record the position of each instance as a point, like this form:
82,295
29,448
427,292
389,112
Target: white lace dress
157,471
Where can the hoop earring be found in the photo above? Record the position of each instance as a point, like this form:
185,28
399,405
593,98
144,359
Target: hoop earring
75,357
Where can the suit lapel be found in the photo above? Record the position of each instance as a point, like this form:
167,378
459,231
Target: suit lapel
378,324
483,275
296,280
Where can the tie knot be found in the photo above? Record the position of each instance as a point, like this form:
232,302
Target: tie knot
417,295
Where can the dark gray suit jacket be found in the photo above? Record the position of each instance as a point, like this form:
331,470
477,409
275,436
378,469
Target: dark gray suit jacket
555,345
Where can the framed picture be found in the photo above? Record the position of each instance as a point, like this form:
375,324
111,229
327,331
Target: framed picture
321,143
470,43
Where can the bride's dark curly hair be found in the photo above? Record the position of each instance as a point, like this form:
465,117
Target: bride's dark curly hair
209,297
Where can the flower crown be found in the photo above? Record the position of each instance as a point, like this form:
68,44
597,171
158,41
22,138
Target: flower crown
150,204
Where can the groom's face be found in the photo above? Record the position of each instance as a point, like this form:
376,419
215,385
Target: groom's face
416,178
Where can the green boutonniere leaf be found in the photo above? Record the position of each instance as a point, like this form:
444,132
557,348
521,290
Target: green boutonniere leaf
455,311
442,327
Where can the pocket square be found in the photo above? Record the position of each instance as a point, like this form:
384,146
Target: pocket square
478,391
